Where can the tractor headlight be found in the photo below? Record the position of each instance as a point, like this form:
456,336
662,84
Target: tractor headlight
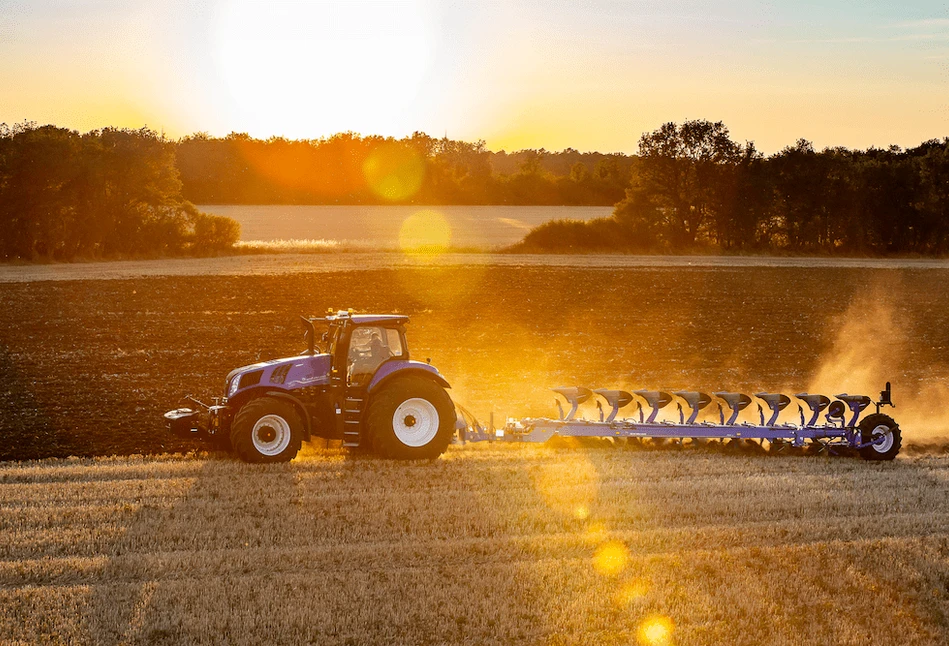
234,384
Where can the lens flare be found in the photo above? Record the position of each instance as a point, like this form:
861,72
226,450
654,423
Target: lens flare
569,487
655,630
632,591
611,558
394,171
596,533
426,233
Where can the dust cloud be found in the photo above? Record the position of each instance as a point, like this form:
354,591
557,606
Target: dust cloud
874,345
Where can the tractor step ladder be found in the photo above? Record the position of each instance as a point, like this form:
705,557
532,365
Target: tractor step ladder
352,421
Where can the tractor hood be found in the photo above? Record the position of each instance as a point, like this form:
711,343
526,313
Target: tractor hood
285,374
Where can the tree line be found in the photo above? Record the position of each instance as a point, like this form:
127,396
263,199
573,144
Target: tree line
125,193
694,188
351,169
104,194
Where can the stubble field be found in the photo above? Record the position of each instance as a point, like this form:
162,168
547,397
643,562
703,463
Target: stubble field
490,544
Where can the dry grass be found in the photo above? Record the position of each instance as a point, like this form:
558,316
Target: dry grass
490,545
307,245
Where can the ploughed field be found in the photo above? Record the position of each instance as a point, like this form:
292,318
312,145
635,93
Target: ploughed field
502,544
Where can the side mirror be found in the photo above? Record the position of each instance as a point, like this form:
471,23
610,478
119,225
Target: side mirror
309,335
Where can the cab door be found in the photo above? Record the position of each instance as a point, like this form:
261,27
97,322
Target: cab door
369,347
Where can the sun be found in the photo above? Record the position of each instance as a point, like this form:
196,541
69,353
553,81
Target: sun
305,69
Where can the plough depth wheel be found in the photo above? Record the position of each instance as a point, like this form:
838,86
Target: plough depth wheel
875,426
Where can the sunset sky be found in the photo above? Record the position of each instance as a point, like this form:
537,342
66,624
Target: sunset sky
518,73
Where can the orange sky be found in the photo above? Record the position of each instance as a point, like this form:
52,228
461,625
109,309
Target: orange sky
592,76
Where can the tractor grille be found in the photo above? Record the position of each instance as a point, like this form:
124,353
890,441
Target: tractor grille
251,378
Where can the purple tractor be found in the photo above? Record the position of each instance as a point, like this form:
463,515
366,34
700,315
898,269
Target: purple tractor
358,385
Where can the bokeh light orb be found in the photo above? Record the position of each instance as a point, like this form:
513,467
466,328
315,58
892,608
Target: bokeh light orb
655,630
611,558
425,233
394,171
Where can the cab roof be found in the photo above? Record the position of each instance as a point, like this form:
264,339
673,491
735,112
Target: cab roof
366,319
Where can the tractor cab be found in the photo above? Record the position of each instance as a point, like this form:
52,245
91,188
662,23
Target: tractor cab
358,344
369,347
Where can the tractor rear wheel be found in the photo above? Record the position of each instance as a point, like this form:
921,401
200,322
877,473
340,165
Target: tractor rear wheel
410,418
267,429
876,426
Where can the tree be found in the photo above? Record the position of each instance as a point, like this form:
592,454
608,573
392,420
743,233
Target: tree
213,233
815,198
744,194
682,171
932,163
40,173
579,173
110,192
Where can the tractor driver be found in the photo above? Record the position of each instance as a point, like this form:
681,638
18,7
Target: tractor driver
364,357
377,349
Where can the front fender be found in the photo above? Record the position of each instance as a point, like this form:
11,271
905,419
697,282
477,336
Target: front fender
401,367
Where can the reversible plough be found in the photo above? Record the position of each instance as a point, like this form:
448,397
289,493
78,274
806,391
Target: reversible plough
832,425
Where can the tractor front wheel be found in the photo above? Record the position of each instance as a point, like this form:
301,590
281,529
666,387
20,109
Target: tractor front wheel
267,429
884,432
411,418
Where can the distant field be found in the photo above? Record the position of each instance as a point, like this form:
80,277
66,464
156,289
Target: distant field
379,227
489,545
332,261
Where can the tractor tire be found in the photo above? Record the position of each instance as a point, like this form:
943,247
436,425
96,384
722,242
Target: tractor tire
265,430
411,418
876,425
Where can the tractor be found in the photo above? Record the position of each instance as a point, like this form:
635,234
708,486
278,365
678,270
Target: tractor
357,385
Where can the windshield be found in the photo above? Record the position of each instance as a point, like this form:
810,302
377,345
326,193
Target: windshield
369,347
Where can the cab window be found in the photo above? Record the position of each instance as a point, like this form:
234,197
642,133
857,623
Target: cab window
394,340
369,347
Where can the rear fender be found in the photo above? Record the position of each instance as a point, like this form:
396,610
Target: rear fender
246,395
400,368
